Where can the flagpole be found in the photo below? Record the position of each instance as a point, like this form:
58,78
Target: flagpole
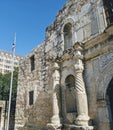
11,83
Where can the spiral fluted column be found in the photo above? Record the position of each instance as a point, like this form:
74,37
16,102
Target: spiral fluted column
81,97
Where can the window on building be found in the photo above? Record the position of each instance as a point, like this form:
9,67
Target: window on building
32,60
31,97
8,61
1,59
108,6
15,63
67,36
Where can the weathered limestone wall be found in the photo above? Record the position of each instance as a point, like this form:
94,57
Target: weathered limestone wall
87,18
90,46
37,115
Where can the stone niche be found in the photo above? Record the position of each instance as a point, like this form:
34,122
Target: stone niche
73,91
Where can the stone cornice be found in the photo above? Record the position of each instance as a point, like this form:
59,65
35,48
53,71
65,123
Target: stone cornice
98,49
98,39
99,45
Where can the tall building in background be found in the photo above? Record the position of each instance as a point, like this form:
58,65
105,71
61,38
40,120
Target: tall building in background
6,61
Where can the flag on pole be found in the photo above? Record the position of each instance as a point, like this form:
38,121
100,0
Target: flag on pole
13,47
14,43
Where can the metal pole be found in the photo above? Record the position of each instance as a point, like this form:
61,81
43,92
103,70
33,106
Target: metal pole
11,82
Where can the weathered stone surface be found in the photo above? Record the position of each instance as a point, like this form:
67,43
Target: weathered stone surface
70,84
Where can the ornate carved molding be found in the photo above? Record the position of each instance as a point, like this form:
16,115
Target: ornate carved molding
105,60
78,57
67,56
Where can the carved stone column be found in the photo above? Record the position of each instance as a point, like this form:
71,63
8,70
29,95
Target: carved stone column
81,97
55,120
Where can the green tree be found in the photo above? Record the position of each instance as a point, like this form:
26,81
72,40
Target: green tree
15,81
1,85
5,85
4,93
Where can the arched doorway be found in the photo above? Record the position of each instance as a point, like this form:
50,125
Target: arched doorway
109,98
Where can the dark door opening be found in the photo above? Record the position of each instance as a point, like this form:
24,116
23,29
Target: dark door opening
110,102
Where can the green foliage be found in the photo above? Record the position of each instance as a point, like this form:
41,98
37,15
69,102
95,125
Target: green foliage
5,85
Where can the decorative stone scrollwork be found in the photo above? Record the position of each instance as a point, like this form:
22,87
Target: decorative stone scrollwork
105,60
79,66
78,58
55,120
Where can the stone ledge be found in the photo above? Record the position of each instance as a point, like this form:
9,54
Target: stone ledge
52,126
76,127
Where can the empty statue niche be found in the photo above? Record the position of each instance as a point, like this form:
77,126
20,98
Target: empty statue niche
71,108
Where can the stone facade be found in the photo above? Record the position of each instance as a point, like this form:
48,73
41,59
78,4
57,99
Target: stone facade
66,82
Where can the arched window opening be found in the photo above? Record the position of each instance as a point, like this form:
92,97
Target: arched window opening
108,6
67,36
70,96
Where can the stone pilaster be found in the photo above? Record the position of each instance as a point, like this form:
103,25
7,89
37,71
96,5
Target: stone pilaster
55,120
81,97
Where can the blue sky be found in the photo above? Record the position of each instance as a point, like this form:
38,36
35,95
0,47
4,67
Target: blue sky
29,19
